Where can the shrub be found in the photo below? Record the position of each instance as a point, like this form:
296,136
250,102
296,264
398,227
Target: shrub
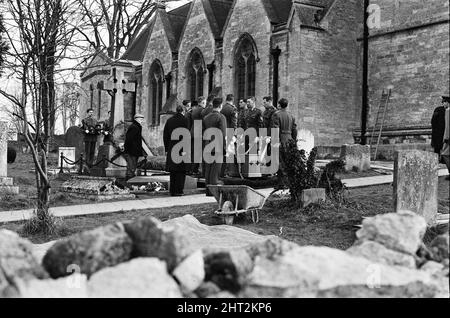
328,180
298,169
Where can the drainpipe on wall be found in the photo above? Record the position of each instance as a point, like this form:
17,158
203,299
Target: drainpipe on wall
276,62
365,83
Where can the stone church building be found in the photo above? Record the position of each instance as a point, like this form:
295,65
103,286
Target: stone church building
308,51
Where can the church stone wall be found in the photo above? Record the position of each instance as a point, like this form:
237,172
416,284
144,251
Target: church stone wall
325,78
99,70
158,48
248,16
414,62
197,34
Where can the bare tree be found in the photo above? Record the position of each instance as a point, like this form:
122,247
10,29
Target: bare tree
120,20
69,101
3,45
38,36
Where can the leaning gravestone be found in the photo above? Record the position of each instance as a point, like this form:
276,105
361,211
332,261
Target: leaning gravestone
356,157
6,184
75,138
416,183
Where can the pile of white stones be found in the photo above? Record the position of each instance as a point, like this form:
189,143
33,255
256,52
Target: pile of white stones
183,258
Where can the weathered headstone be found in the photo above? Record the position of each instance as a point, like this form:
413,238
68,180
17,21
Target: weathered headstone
75,138
305,140
416,183
356,157
69,154
6,184
313,196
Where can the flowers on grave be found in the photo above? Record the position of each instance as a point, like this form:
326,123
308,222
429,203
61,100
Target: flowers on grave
154,187
150,187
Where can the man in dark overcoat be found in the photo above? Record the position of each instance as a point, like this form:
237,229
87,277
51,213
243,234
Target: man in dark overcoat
133,145
177,170
215,120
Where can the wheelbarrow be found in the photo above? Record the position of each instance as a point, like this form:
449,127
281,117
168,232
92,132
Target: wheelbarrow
237,199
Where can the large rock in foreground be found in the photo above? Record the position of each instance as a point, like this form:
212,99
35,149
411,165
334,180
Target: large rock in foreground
326,272
213,238
380,254
17,262
402,231
74,286
139,278
176,239
88,252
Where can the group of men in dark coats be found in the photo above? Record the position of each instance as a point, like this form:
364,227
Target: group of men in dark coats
210,113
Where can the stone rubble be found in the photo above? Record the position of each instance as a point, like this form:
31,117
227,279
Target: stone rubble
183,258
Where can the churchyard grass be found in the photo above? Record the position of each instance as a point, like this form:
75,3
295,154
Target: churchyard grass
328,224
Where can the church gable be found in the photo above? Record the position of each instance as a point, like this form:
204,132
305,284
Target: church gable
248,25
159,47
197,46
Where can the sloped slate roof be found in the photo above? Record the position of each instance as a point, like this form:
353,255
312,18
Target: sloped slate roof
177,19
278,10
307,10
217,12
136,50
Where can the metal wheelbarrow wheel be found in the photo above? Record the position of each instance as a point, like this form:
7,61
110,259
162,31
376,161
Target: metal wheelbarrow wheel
236,200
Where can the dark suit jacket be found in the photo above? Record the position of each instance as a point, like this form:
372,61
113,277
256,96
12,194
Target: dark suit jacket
174,122
133,140
89,124
438,128
230,113
193,115
285,122
216,120
208,109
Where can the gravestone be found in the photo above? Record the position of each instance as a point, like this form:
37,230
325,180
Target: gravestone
75,138
6,184
305,140
416,183
69,154
356,157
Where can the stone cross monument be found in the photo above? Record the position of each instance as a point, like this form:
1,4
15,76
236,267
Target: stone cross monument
117,86
6,184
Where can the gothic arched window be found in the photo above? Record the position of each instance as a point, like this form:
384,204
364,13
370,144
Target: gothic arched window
245,67
156,92
195,74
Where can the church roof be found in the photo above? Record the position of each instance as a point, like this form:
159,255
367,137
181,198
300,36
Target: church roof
136,50
217,12
278,10
307,11
173,22
177,19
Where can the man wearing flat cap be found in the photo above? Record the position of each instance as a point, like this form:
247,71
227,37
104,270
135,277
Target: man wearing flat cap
438,125
133,145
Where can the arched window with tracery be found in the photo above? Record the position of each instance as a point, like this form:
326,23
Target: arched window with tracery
195,74
245,59
156,92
